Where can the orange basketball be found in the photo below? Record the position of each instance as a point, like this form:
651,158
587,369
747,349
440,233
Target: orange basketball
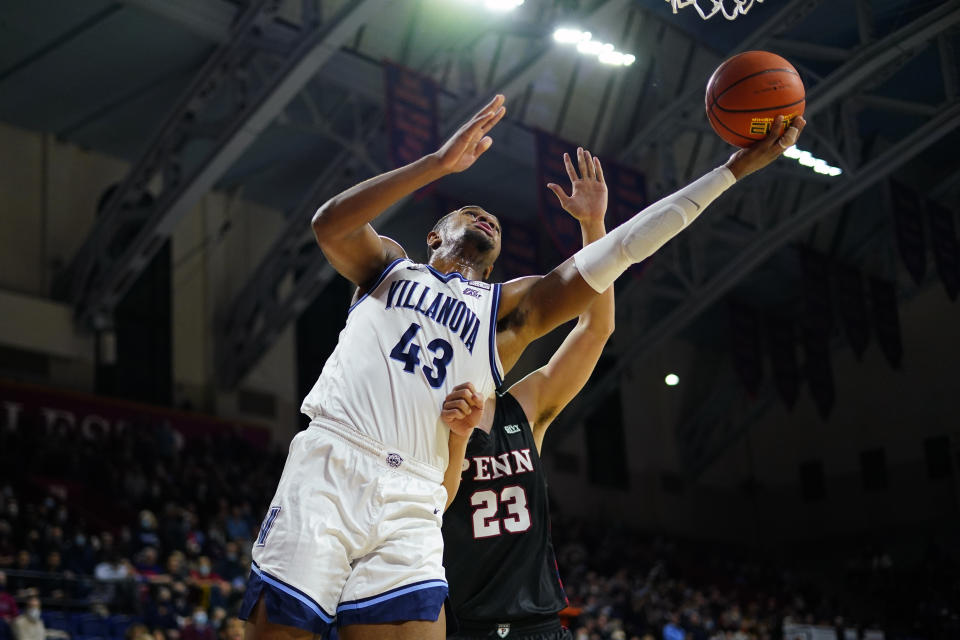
748,91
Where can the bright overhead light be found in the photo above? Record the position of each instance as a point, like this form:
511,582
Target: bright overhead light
570,36
672,379
502,5
499,6
807,159
605,52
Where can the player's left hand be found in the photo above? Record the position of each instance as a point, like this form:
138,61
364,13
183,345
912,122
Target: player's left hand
587,201
462,409
470,141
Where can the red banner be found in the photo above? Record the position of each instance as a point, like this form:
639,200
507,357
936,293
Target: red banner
412,122
626,187
51,409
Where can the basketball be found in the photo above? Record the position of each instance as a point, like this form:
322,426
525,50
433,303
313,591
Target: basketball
748,91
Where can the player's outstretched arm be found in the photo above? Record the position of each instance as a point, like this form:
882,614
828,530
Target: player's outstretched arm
461,411
531,307
544,393
342,224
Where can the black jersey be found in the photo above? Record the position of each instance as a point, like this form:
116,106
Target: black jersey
497,550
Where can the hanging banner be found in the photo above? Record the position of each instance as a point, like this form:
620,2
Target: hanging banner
412,120
816,327
852,304
54,411
818,369
747,353
908,223
563,230
519,253
817,303
886,318
627,195
946,253
782,339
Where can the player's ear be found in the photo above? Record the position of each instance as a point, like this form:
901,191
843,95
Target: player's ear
434,240
487,272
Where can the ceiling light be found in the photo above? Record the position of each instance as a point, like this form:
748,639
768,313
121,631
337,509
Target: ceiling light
502,5
605,52
807,159
672,379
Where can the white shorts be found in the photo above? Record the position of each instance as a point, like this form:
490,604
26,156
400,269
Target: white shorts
352,535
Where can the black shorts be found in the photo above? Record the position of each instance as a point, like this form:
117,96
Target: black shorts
544,628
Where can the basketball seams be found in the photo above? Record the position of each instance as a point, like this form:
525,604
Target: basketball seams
778,106
754,75
720,122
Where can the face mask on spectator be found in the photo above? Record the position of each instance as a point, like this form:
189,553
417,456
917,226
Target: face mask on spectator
200,618
33,613
204,570
80,540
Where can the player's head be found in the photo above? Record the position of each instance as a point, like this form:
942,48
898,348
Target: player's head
468,235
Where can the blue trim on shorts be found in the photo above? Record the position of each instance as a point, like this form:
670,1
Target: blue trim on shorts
286,604
494,308
377,282
417,601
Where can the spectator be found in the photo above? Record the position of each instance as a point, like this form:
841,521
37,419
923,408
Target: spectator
161,614
232,629
229,566
199,627
238,527
29,625
672,630
147,563
147,531
8,606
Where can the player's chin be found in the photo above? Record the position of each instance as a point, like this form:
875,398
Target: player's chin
482,242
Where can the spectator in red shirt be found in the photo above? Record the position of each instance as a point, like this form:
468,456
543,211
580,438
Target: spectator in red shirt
199,627
8,606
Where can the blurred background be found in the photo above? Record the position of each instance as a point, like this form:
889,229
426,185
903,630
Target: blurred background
770,446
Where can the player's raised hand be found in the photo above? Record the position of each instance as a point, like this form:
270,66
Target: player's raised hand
470,141
462,409
763,152
587,201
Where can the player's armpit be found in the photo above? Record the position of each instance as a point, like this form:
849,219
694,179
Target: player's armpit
532,307
360,257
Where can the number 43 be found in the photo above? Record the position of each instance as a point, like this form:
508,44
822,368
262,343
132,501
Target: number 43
409,355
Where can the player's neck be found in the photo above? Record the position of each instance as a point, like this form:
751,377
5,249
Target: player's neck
446,263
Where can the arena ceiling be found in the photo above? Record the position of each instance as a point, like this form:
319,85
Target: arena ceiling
283,101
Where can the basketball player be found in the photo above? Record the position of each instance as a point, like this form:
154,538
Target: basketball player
353,532
496,532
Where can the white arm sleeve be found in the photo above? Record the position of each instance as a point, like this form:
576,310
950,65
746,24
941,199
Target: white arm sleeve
602,262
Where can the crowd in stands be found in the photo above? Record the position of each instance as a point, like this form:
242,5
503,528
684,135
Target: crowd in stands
140,534
624,586
128,532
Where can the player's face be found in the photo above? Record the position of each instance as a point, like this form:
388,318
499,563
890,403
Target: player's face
480,228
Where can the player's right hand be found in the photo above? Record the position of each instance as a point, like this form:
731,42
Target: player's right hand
462,409
470,141
763,152
587,201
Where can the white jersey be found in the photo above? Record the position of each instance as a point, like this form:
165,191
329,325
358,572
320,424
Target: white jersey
408,342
